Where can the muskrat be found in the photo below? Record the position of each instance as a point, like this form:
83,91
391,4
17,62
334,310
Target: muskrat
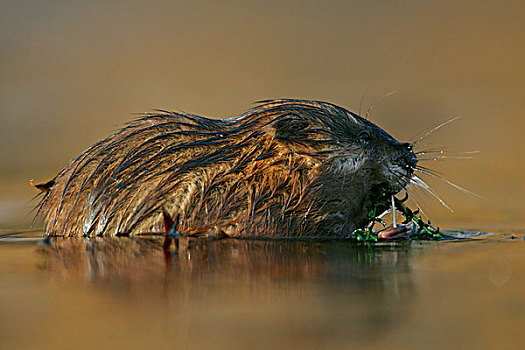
286,168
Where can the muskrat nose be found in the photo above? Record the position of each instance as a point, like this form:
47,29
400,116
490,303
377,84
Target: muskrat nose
405,156
409,158
412,161
407,146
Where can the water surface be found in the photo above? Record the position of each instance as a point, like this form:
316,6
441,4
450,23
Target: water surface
116,293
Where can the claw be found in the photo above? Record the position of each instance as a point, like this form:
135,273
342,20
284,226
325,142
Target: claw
44,186
170,227
404,198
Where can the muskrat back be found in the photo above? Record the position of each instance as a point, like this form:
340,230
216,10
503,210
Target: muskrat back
286,168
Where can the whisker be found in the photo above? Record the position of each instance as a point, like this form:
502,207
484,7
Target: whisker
413,193
417,134
407,181
464,190
443,151
420,182
361,102
369,109
433,130
401,179
428,143
429,170
442,157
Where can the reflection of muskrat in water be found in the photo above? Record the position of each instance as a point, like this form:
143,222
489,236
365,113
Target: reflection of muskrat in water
287,168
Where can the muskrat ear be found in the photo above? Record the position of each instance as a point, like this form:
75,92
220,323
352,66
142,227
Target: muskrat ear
288,125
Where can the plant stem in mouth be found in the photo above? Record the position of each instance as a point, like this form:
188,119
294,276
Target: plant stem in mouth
418,229
394,224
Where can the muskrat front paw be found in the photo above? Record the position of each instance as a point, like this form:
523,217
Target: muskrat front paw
392,232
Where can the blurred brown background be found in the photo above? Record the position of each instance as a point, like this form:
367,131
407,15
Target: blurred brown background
73,72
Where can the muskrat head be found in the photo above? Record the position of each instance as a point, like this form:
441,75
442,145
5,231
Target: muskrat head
369,151
351,147
390,162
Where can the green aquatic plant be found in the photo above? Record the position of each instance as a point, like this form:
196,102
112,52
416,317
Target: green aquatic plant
418,228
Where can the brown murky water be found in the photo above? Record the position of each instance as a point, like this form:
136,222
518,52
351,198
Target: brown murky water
116,293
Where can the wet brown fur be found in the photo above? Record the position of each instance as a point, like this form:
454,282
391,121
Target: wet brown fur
287,168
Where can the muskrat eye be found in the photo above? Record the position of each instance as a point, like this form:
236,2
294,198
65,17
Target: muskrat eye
364,136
